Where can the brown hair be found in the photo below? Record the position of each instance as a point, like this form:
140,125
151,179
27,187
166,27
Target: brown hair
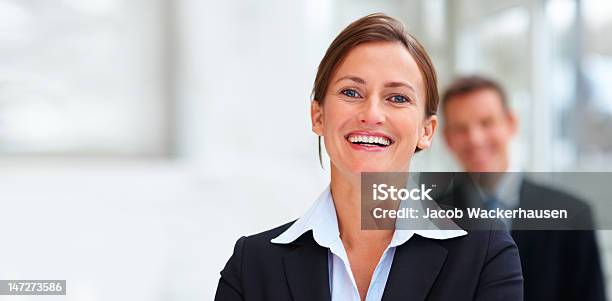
469,84
375,28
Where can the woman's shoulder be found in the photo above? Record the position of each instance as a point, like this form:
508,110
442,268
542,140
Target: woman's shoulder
261,242
265,237
479,248
486,234
486,240
253,256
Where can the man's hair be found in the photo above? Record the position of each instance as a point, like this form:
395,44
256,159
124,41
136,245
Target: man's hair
473,83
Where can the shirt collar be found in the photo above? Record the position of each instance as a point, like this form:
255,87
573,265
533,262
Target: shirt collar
321,218
507,190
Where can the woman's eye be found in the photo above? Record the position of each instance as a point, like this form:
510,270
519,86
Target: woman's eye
399,99
350,93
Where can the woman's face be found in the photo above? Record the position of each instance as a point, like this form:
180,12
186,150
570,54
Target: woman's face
373,116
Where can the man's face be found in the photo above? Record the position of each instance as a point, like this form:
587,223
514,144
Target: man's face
478,130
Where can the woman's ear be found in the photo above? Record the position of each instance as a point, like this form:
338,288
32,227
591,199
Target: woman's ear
427,132
316,116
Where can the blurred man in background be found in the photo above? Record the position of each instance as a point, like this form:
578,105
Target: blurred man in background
478,129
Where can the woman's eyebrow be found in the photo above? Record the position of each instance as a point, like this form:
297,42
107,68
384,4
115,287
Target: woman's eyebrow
393,84
400,84
356,79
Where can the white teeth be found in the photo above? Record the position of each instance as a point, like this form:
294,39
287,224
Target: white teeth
370,139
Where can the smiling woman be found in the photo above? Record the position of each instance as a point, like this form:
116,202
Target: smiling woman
377,91
374,105
359,33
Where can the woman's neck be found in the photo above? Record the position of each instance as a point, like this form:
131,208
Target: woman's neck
346,193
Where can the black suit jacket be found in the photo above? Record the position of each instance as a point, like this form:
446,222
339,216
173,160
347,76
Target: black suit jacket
482,265
559,265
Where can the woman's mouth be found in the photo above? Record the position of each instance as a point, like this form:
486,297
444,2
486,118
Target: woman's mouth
369,141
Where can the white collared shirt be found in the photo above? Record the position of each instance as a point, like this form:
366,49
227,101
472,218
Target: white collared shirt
507,190
322,220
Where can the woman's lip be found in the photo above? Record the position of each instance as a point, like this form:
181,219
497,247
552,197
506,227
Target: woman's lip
368,133
367,148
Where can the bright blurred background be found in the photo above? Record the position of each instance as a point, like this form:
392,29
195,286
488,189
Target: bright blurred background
140,139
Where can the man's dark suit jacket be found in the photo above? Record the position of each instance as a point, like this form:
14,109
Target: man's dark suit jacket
561,265
482,265
558,265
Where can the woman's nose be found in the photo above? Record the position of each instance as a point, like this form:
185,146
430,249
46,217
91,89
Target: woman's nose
372,114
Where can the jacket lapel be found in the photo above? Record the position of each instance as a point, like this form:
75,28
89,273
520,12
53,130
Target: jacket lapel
306,270
415,267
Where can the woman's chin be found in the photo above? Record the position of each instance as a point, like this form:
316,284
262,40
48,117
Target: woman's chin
354,168
372,168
